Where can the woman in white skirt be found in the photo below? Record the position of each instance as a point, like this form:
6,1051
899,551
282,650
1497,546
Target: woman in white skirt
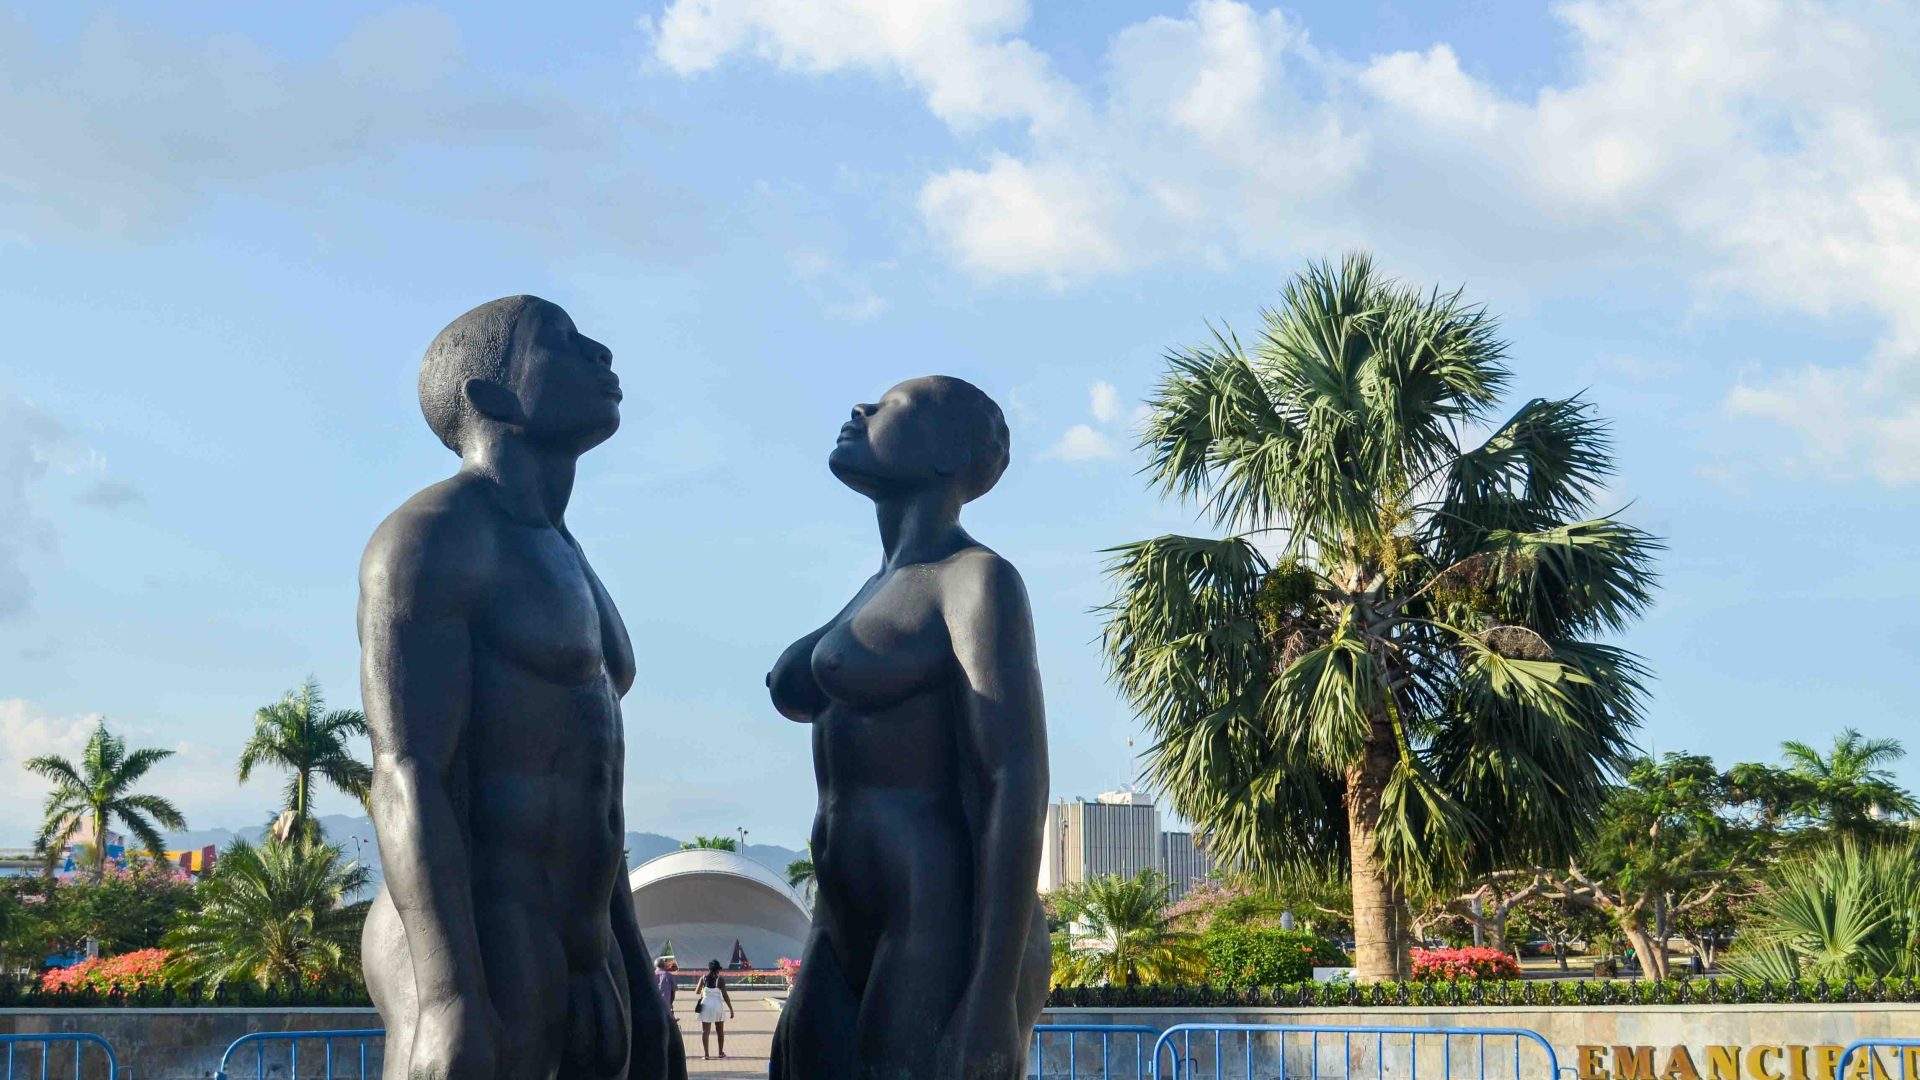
715,1008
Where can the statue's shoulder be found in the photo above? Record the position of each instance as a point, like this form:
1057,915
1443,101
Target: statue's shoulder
437,546
977,575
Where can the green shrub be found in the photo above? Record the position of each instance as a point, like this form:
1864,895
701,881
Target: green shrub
1241,955
1492,993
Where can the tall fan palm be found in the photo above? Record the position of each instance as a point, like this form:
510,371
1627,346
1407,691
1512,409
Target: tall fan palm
1844,788
1119,933
299,734
99,790
1413,682
273,914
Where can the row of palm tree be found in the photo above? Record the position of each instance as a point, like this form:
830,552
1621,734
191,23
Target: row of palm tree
297,733
278,913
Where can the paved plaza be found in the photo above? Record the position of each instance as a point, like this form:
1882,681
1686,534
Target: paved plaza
749,1034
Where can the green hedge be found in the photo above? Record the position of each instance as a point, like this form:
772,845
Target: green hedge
1265,956
1490,993
16,993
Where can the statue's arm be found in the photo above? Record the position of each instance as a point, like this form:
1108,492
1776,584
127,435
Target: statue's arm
416,679
1005,748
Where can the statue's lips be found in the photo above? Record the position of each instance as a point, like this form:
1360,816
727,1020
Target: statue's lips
613,391
851,431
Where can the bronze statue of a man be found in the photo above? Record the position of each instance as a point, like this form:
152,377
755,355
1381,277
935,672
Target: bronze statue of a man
928,957
503,945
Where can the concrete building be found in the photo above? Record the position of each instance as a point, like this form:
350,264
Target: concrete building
1117,833
1184,861
704,900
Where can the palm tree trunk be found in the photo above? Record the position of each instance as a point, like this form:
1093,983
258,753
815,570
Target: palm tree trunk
99,844
1379,930
300,799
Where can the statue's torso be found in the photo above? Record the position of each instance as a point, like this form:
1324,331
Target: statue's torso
550,662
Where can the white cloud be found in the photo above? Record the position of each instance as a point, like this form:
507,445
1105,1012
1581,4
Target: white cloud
1019,218
1106,402
28,731
958,53
1082,442
197,778
1756,146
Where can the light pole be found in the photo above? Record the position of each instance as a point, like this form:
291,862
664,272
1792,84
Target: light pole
743,838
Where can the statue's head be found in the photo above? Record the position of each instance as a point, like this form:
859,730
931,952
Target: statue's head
926,432
517,366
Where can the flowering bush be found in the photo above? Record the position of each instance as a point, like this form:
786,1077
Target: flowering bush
1473,962
122,974
789,967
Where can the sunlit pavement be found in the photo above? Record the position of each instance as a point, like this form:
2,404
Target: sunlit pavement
749,1035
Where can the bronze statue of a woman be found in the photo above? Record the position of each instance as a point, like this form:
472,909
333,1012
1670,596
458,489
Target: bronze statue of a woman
929,952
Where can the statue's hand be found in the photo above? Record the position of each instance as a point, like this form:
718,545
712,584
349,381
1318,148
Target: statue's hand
984,1041
460,1042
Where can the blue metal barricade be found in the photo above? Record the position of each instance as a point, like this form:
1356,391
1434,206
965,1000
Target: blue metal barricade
1382,1052
1905,1051
353,1063
1090,1046
46,1044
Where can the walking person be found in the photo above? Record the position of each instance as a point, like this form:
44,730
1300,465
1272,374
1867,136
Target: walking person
663,981
713,999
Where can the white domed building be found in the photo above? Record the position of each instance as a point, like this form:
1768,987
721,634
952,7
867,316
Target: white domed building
703,900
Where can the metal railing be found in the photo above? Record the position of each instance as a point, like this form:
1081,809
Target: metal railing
1906,1051
355,1059
1310,1051
1078,1052
46,1042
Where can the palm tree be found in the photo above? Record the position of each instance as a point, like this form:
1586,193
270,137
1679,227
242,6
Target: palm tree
275,915
1412,683
1119,932
712,843
98,790
800,876
298,734
1847,910
1845,789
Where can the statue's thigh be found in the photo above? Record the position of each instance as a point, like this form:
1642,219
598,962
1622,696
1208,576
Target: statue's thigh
814,1038
527,978
917,978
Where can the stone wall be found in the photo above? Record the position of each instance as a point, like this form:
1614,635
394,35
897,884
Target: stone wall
186,1044
1676,1042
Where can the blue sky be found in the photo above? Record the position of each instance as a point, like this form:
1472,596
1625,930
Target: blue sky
227,233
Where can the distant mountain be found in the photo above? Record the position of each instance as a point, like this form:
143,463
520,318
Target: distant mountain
343,830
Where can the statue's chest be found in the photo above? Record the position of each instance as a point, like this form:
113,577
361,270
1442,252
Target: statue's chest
549,617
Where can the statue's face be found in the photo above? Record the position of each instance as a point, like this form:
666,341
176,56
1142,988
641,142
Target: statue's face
897,444
568,392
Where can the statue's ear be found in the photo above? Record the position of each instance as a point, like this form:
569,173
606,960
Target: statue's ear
951,456
493,401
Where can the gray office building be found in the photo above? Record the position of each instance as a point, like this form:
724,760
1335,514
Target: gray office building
1184,861
1117,833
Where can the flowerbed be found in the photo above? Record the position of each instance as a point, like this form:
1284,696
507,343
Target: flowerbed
1472,962
127,973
